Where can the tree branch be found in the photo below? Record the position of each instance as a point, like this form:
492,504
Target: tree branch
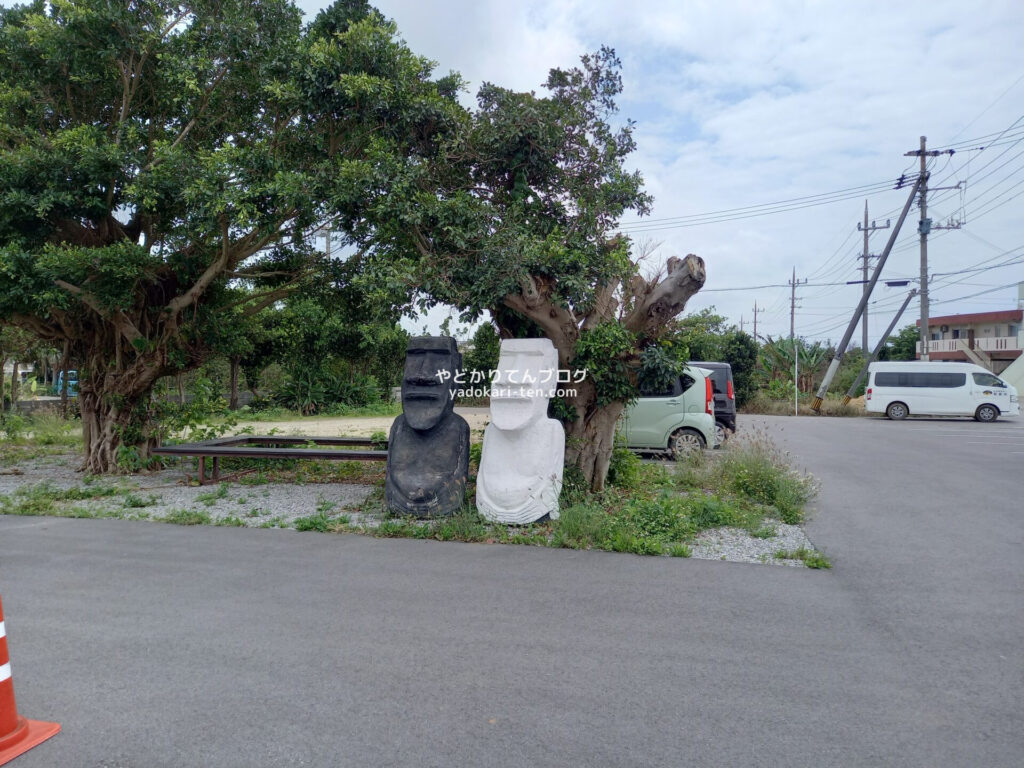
604,305
655,303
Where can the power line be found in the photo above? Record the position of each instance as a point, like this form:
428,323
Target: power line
981,293
764,209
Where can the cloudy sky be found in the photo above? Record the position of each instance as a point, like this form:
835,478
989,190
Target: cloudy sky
742,105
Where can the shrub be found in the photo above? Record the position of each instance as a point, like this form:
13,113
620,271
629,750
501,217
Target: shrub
624,469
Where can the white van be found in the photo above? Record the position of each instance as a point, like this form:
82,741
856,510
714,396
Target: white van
938,389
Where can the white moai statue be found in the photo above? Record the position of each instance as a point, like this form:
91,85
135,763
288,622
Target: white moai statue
520,474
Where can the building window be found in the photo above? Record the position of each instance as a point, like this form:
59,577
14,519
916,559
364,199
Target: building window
956,333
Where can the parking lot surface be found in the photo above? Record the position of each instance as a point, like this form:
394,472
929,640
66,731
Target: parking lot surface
167,646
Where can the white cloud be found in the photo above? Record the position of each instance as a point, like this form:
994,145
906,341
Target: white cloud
741,103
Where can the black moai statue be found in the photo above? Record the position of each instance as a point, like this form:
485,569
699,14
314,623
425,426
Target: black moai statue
428,449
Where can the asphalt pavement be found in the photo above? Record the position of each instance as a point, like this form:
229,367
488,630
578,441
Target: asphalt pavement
157,645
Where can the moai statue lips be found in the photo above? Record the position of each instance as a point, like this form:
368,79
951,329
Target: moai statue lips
520,474
428,449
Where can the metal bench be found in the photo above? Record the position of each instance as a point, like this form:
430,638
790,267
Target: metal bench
272,447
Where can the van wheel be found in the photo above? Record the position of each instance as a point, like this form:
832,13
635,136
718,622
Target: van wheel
986,413
685,442
897,411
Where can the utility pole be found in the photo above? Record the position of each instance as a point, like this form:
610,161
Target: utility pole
864,269
792,340
756,310
741,323
841,348
792,303
923,228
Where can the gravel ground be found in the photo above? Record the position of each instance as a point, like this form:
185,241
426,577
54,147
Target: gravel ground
161,493
277,505
738,546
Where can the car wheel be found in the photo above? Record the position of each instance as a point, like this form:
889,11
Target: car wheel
722,433
897,411
986,413
685,442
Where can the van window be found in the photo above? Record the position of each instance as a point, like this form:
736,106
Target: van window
987,380
920,379
687,381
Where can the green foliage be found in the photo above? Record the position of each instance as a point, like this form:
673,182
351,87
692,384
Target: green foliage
625,468
902,346
740,350
160,166
603,352
702,334
204,416
13,426
849,367
658,369
483,357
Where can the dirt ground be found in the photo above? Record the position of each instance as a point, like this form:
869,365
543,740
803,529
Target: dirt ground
349,426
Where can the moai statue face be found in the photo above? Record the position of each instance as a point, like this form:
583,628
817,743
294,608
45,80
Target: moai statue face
526,380
430,366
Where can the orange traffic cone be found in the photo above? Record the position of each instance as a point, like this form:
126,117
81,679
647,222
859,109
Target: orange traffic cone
17,734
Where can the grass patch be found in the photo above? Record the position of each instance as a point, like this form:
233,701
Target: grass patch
46,499
212,497
318,522
334,411
811,558
646,509
187,517
134,501
753,471
832,405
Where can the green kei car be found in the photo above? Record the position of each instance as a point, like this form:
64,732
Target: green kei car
674,421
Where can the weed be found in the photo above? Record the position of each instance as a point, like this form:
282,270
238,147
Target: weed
318,522
582,526
624,469
679,550
231,521
46,499
187,517
811,558
212,497
133,501
464,525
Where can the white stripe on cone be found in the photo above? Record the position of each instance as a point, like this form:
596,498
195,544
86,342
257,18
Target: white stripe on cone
3,630
5,672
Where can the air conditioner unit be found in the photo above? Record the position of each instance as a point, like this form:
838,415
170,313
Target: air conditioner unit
944,328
